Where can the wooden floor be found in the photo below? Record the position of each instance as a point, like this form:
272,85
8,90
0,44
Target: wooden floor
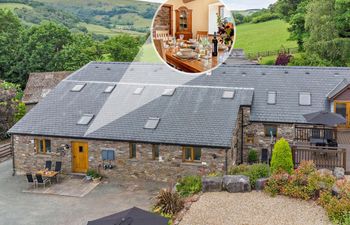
69,186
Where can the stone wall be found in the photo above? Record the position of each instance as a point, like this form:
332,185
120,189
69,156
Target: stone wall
254,136
171,166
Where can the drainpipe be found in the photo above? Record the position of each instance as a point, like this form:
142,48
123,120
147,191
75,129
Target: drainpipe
13,157
226,162
242,126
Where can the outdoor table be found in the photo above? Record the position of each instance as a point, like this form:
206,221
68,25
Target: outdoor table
48,174
318,141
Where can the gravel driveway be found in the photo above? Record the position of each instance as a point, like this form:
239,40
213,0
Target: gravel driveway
253,208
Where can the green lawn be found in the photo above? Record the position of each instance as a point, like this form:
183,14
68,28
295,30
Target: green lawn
97,29
12,6
148,54
267,36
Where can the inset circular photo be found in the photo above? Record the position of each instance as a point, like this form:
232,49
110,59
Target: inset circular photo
193,36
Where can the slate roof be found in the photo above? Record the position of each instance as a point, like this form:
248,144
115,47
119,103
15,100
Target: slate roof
40,84
195,115
340,87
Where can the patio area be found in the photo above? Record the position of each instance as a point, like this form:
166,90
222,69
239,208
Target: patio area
73,186
111,196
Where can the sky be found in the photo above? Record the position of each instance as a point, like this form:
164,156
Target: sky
238,4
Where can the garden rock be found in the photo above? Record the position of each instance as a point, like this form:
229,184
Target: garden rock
335,190
236,183
260,184
339,173
211,184
324,172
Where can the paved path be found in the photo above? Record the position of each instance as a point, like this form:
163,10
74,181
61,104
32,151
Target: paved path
255,208
18,208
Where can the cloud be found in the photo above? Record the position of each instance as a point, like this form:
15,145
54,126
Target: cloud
238,4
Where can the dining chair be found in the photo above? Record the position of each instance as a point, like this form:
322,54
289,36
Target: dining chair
201,34
162,34
48,164
31,180
159,44
58,169
42,181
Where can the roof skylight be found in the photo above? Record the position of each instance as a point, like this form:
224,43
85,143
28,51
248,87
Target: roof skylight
138,90
109,89
169,92
78,87
304,98
152,123
228,94
271,97
85,119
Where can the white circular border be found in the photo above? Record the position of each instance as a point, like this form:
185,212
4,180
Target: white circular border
187,73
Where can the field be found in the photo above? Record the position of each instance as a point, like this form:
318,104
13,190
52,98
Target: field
12,6
267,36
97,29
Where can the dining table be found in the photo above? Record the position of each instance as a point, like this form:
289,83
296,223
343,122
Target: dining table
196,64
48,173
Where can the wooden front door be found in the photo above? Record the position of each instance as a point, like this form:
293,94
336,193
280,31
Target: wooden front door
80,154
343,108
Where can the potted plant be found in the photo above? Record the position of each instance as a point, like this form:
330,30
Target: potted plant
252,156
93,175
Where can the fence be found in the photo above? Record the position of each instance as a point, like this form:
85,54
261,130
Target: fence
270,53
5,150
323,157
305,133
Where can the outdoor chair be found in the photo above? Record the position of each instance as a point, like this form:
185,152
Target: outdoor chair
30,179
58,169
42,181
48,165
315,133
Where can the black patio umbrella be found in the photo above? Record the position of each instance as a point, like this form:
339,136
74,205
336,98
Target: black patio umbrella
133,216
325,118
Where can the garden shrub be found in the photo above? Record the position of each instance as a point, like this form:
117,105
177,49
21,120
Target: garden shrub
234,170
168,203
252,155
276,182
305,182
189,185
254,172
214,174
282,157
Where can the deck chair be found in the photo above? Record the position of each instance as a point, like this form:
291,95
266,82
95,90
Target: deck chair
42,181
48,164
30,179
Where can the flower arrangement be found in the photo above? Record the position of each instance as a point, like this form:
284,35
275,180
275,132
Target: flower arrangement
226,31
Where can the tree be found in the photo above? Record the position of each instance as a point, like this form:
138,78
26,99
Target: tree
282,157
11,109
10,43
82,50
324,35
123,48
342,19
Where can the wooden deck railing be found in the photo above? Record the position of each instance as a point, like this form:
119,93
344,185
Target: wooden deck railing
5,150
304,133
323,157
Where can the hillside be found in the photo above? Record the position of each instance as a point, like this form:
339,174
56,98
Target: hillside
247,12
104,17
267,36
